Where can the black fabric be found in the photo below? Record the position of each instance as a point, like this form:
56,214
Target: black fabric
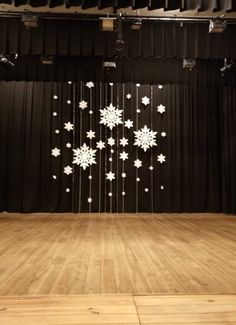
83,38
204,5
199,173
135,70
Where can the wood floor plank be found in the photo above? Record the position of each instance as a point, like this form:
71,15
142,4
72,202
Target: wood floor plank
117,253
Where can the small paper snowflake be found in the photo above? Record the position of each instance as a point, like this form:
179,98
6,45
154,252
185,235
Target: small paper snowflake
84,156
110,116
145,138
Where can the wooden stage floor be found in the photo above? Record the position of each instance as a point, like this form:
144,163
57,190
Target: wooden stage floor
140,269
72,254
118,309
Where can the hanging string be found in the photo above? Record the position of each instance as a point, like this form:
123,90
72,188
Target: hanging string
80,140
152,187
100,153
73,142
137,173
123,134
90,142
105,161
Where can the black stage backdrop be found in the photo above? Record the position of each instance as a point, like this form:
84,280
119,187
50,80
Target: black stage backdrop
84,38
198,146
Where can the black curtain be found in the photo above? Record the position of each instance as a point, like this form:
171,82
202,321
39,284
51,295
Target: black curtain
148,70
84,38
198,175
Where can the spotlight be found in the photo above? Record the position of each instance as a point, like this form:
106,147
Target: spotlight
227,66
109,65
8,61
30,21
119,41
189,63
47,59
136,24
107,24
217,26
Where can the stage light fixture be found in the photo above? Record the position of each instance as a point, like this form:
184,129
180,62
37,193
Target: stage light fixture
30,21
228,66
109,65
47,59
217,26
136,24
107,24
189,63
8,61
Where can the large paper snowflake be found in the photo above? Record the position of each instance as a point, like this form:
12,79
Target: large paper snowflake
145,138
84,156
110,116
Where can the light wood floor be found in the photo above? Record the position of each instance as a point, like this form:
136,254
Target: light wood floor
114,310
68,254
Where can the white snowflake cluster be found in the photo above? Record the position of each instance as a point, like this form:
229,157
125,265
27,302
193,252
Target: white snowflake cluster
84,156
145,138
110,116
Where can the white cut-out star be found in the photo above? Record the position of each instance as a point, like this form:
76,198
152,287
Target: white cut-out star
128,96
83,104
145,100
89,84
161,108
161,158
123,155
100,145
129,124
110,83
68,126
90,134
110,176
68,145
90,200
137,163
67,170
56,152
163,134
123,142
111,141
123,175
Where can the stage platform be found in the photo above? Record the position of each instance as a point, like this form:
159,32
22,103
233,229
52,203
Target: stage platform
74,254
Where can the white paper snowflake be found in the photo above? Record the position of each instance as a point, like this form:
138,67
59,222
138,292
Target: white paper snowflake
84,156
55,152
110,116
83,104
145,138
123,155
67,170
89,84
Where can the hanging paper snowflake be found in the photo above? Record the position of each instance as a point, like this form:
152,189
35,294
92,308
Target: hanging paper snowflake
110,116
84,156
145,138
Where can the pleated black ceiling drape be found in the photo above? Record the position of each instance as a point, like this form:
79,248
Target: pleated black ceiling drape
83,38
199,146
201,5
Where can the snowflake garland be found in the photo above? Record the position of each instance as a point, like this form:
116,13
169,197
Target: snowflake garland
145,138
84,156
110,116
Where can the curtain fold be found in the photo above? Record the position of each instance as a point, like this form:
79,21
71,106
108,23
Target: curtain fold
83,38
197,176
